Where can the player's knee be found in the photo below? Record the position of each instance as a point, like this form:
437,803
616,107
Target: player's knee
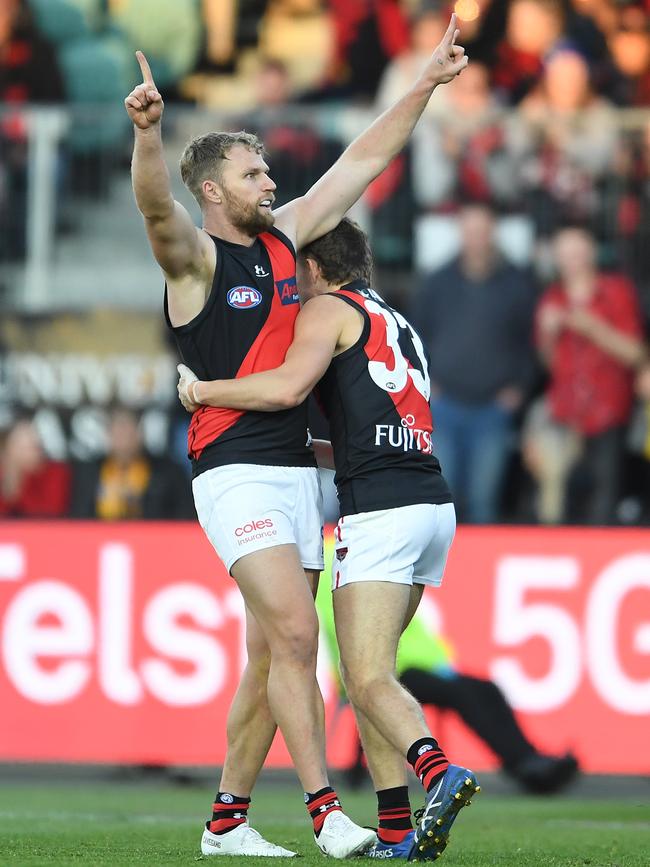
362,683
297,643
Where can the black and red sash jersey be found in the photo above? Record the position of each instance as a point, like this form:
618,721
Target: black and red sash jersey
245,327
376,396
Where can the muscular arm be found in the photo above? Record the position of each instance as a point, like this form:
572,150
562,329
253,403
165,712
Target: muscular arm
181,250
324,205
173,236
319,327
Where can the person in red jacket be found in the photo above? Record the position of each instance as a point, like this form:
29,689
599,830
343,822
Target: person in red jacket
31,485
589,333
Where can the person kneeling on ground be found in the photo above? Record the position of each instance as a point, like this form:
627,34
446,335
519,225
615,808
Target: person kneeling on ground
425,668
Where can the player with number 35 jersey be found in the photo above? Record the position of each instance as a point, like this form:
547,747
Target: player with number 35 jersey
370,372
376,397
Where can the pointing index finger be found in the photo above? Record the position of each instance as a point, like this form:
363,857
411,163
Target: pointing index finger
147,77
450,35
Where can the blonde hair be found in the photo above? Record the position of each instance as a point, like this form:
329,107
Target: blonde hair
204,155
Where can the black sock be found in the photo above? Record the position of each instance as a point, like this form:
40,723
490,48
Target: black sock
394,811
428,761
228,811
320,804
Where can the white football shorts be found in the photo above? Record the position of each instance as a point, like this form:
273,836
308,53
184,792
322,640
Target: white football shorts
406,545
247,507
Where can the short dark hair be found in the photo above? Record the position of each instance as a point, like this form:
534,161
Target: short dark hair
484,205
203,157
568,223
343,254
275,65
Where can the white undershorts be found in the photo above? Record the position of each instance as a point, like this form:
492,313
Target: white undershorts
247,507
406,545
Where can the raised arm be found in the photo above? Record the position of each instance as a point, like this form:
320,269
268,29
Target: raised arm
318,330
181,250
323,206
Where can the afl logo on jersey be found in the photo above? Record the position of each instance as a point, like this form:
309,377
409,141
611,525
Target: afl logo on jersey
244,297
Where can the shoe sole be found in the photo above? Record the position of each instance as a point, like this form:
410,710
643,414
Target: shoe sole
432,836
364,847
361,849
208,851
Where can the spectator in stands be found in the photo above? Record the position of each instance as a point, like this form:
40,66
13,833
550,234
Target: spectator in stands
29,73
368,34
298,153
475,317
231,26
517,37
565,137
273,88
299,33
392,197
589,334
464,155
629,45
129,483
427,29
532,29
31,485
220,22
549,452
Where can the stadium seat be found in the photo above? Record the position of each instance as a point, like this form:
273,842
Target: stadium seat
168,31
114,43
60,21
437,240
93,12
97,78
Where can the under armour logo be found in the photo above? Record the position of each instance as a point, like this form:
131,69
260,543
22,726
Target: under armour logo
260,272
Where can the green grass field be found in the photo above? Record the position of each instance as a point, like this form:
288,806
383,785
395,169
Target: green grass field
126,823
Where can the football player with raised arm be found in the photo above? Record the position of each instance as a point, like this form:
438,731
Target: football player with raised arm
231,302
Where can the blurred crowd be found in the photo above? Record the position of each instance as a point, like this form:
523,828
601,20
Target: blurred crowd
565,66
514,231
540,396
556,374
125,483
336,46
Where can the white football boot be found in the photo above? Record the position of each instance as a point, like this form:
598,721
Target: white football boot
341,838
242,840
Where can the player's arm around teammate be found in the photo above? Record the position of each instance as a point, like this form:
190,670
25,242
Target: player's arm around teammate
324,327
389,544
